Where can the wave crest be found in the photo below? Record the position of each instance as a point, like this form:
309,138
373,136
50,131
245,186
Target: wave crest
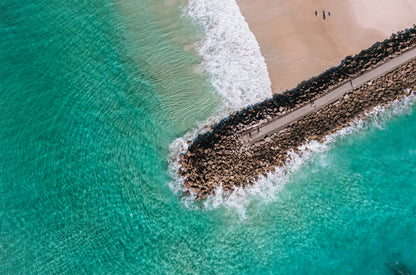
230,52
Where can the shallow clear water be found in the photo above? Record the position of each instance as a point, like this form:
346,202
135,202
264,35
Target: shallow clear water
94,94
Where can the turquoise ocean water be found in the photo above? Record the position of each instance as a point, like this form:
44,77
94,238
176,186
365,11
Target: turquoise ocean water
95,97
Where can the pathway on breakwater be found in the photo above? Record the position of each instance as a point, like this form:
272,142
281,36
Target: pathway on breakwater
259,132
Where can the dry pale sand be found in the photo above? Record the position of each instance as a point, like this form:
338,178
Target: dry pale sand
298,45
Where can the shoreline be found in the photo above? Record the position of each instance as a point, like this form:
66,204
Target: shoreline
219,158
298,45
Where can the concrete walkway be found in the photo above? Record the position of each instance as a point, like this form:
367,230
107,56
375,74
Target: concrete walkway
275,125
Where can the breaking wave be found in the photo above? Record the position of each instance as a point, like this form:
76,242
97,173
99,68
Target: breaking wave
233,62
230,52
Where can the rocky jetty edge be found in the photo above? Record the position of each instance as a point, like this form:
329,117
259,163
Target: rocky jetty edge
221,158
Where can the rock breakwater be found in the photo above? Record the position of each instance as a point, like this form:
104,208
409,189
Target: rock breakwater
221,157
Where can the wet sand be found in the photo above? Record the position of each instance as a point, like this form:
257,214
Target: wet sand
298,45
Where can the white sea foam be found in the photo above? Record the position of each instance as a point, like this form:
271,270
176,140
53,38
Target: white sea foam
232,59
267,189
230,52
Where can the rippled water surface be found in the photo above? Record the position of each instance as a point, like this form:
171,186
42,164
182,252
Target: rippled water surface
95,99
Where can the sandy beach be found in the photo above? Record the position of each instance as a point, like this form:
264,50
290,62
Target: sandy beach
300,39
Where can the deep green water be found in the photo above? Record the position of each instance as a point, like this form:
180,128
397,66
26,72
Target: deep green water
92,96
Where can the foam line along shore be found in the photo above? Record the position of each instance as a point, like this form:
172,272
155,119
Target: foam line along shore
230,52
231,60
